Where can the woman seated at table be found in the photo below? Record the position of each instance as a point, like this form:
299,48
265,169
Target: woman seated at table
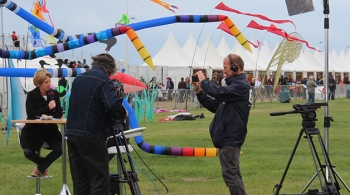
42,101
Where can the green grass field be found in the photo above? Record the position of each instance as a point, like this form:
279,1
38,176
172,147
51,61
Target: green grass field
268,146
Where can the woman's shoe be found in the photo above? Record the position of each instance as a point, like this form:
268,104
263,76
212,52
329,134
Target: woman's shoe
45,173
35,172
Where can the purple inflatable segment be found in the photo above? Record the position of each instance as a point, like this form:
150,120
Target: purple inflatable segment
176,151
212,18
60,47
90,38
145,146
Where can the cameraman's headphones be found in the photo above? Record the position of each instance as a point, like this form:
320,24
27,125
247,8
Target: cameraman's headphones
234,67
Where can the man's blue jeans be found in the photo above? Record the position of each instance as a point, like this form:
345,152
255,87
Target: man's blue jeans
311,98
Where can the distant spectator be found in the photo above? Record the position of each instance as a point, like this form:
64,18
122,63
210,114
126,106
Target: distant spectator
311,85
252,83
79,65
181,87
71,64
169,87
268,89
214,79
162,89
65,63
84,63
257,85
346,79
15,40
298,88
332,85
303,81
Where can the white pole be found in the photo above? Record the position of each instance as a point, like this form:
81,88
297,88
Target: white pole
2,46
126,38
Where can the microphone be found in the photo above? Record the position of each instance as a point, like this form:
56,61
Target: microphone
50,96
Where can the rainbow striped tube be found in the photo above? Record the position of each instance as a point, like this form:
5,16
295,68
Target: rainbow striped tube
29,72
61,47
163,150
78,40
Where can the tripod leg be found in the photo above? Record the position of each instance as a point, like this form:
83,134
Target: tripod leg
329,185
342,181
279,185
131,176
317,162
311,180
333,185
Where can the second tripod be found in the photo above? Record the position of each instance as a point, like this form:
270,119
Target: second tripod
328,183
130,176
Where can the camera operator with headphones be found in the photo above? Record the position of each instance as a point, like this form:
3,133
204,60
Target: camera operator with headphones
231,104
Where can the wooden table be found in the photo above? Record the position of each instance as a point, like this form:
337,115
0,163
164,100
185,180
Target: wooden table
65,190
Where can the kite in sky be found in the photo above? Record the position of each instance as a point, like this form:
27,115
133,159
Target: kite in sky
278,31
38,11
165,5
224,27
222,6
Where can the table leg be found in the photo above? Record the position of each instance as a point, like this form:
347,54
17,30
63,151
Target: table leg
65,190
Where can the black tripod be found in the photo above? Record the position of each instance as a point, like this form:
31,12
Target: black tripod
130,176
329,184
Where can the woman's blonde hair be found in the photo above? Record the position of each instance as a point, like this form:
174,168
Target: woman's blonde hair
40,76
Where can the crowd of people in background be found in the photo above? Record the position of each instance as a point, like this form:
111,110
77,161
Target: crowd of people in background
74,64
262,89
304,88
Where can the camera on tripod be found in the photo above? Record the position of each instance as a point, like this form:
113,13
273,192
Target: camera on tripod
118,88
322,162
307,110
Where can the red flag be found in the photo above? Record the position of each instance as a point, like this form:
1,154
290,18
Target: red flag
254,45
222,6
42,6
224,27
273,29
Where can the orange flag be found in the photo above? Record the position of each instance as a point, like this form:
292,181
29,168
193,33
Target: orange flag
37,12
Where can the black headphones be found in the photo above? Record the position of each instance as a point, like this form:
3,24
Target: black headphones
234,67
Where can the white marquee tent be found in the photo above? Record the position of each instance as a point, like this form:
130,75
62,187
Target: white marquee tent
176,62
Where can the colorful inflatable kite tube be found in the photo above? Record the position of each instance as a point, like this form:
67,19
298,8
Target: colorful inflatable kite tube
194,19
109,33
92,38
105,35
163,150
29,72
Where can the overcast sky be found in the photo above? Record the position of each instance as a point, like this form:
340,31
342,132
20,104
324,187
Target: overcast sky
83,16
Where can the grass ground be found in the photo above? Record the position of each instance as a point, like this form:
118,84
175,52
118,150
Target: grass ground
268,146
